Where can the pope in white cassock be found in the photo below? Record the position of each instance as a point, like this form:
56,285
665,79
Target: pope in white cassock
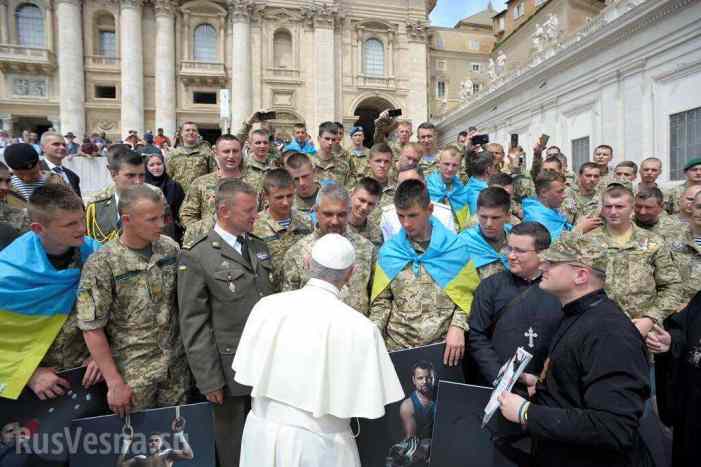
313,363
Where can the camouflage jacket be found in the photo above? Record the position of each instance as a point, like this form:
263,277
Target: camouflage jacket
304,205
199,199
359,163
16,217
355,294
672,197
333,169
640,275
370,230
68,350
577,205
134,299
429,166
687,256
413,310
197,230
254,171
668,227
184,165
279,240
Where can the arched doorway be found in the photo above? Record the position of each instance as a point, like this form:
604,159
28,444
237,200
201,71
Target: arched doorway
367,112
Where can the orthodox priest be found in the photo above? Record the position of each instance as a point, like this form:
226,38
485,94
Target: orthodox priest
305,353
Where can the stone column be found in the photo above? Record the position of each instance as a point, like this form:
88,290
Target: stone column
241,85
166,97
71,76
417,72
4,25
324,61
7,124
132,102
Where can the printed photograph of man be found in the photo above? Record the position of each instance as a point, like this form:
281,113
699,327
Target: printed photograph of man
158,456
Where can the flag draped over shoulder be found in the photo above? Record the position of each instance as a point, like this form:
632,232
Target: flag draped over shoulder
35,300
456,196
552,219
473,189
480,250
446,260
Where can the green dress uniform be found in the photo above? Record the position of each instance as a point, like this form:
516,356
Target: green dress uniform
217,289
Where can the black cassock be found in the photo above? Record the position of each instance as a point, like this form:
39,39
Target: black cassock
678,376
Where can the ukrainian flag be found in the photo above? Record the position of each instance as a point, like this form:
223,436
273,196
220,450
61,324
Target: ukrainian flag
35,300
473,189
446,260
480,250
456,197
551,219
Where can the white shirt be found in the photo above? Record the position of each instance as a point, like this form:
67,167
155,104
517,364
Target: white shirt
51,166
231,240
389,223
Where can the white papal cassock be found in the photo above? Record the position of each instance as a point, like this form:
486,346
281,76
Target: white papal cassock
313,363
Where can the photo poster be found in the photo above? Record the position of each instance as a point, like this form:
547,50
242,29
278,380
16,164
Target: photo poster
37,432
383,442
458,436
181,436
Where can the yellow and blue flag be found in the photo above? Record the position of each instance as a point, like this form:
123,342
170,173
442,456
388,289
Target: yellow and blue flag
473,189
35,300
480,250
456,196
551,219
446,260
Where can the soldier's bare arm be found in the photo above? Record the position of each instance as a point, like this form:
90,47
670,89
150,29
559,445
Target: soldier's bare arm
406,413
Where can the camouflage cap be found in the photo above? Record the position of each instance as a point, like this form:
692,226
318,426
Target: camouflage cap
577,250
620,183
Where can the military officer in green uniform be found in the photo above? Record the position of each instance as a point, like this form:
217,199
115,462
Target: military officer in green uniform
220,278
191,160
128,312
280,225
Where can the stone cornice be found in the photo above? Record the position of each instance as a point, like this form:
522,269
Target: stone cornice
240,10
135,4
164,7
321,16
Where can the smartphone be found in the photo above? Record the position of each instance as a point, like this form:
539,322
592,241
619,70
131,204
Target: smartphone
267,115
480,139
544,139
514,140
394,113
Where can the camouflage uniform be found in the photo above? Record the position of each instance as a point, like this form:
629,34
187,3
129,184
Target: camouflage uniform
429,166
523,187
667,227
198,229
370,230
577,205
184,164
304,205
279,240
359,163
199,199
672,197
16,217
687,256
254,172
333,169
274,156
133,298
413,311
356,293
640,275
68,350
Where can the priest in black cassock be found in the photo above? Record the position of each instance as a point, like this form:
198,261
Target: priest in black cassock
510,310
678,374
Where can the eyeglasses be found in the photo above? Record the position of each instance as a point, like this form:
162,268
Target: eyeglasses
517,251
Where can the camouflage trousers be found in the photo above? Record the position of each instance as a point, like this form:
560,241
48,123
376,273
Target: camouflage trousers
162,391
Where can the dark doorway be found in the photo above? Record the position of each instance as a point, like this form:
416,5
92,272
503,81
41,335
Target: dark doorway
210,134
367,112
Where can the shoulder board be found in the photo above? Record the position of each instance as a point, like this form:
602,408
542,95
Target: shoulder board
190,245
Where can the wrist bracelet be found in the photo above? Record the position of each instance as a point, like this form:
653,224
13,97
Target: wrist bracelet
520,412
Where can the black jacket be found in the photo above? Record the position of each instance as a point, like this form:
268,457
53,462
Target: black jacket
586,411
73,177
504,310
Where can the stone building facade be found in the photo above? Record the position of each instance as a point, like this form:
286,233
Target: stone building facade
117,65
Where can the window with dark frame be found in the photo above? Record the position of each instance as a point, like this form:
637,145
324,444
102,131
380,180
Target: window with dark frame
204,97
684,140
580,152
105,92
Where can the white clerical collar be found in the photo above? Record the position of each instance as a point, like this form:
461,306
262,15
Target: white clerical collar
327,286
231,240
